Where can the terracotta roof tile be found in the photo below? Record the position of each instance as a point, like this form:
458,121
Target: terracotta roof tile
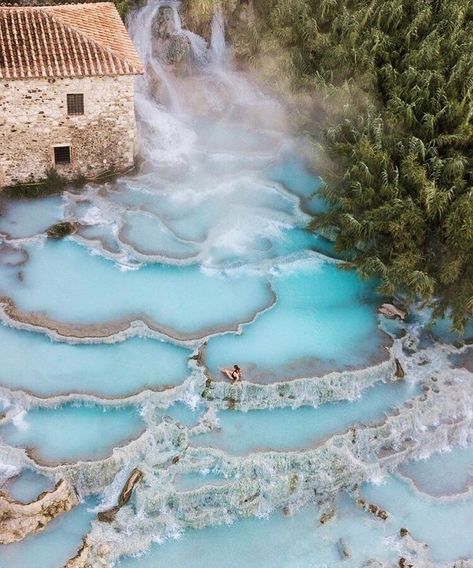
72,40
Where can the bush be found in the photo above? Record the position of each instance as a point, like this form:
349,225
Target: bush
52,185
61,230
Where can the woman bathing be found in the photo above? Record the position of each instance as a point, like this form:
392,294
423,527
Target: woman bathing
233,374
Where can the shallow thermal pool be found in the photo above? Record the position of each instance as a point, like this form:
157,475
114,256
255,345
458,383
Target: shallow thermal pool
439,524
66,283
72,432
323,320
27,486
448,473
286,542
288,429
21,219
108,370
199,260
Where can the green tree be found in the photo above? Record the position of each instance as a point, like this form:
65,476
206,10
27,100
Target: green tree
400,179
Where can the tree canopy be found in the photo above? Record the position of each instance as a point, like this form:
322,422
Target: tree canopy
400,179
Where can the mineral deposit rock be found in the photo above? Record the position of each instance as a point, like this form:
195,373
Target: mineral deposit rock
18,520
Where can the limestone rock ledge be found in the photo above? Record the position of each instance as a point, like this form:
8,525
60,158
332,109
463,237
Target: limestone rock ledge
18,520
109,516
82,558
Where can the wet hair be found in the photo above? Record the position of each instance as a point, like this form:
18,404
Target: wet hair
236,367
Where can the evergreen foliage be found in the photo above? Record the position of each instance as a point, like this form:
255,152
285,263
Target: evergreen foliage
400,180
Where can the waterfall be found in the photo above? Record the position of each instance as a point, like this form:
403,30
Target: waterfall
217,42
163,138
156,30
140,26
197,43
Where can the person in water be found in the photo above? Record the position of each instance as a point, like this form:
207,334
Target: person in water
233,374
236,373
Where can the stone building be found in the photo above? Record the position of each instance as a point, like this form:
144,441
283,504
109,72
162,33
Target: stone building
66,92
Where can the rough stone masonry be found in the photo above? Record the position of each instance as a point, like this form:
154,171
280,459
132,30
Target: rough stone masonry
66,92
34,119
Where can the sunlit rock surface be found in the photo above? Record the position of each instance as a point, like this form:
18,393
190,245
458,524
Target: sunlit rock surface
53,546
18,520
115,337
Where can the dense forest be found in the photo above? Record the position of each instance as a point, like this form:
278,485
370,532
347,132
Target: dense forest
391,83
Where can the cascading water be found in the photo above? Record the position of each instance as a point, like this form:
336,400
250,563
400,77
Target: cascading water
199,261
217,44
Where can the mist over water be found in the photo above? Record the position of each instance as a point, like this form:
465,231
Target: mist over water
200,260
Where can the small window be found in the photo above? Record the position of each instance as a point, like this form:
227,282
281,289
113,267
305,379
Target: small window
62,155
75,104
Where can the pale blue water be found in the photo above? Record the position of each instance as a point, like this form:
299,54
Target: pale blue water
442,329
323,320
109,370
439,329
102,234
149,236
182,413
279,542
447,473
53,547
72,432
210,234
294,240
293,173
27,218
287,429
90,289
443,525
28,485
221,217
190,481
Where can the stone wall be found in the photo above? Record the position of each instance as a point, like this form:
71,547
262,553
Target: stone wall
34,119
